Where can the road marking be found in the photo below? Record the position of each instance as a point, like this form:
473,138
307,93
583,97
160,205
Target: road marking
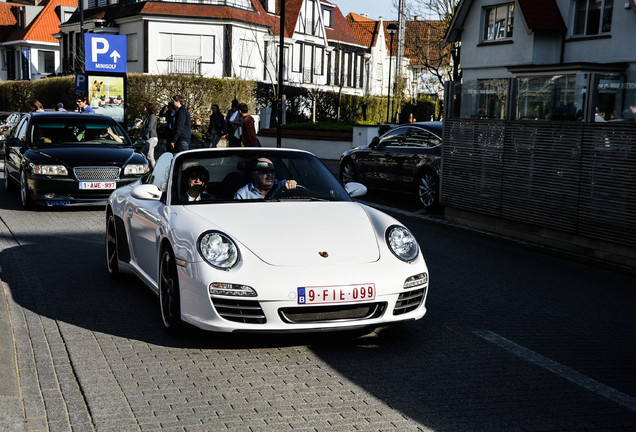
560,370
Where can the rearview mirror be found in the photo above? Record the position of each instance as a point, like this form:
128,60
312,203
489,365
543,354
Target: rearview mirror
355,189
375,142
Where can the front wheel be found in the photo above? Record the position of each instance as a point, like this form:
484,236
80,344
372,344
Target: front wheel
8,184
26,199
112,263
169,297
428,189
348,172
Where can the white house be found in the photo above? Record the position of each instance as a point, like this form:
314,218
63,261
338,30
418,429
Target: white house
226,38
27,46
558,49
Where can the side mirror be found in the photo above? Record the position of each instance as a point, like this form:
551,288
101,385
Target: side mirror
355,189
146,192
375,142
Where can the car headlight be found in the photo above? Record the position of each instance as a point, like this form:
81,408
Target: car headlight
402,243
135,169
218,250
50,170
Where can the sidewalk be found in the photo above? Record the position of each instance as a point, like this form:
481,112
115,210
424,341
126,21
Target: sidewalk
12,418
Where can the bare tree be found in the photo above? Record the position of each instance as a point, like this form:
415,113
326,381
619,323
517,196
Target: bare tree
433,53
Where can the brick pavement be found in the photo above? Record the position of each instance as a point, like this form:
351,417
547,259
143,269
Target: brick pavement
92,356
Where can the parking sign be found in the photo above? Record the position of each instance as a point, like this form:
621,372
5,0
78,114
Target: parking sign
105,53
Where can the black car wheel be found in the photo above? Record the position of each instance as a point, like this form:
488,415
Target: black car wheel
8,184
112,262
348,172
27,202
169,298
428,189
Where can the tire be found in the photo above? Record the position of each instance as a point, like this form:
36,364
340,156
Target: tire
8,184
112,257
27,201
428,189
169,298
348,172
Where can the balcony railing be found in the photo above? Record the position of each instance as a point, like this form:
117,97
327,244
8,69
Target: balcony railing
184,65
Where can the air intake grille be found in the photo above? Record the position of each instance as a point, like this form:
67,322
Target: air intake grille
409,301
242,311
324,314
97,173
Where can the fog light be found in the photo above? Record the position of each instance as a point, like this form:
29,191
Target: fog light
228,289
417,280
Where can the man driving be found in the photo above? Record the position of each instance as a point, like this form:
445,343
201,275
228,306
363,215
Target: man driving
264,183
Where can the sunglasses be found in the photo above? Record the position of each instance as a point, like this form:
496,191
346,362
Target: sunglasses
264,171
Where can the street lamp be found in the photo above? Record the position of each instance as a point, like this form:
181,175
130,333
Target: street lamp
391,29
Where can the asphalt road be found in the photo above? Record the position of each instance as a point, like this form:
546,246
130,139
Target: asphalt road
515,339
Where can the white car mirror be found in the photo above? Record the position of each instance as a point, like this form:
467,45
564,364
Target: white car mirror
146,192
355,189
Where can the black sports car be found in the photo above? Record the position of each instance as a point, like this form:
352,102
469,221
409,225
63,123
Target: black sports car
60,159
406,159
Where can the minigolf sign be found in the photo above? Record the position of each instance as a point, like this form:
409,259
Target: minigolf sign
105,53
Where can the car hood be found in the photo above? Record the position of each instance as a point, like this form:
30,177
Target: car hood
86,154
297,233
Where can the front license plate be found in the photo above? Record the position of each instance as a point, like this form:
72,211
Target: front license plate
336,294
97,185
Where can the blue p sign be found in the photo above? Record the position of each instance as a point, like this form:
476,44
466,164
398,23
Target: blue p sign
105,53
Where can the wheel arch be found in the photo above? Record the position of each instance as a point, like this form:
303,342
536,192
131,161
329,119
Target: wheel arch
123,248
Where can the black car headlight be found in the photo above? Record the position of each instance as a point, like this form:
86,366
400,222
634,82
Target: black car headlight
218,250
49,170
402,243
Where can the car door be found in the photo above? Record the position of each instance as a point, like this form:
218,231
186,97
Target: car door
14,146
376,165
420,147
145,221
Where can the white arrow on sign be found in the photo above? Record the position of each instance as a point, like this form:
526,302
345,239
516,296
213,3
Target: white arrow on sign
115,55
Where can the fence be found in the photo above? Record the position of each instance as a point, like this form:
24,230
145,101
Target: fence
578,178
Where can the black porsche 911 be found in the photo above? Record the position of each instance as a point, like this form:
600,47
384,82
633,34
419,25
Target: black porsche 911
405,159
66,158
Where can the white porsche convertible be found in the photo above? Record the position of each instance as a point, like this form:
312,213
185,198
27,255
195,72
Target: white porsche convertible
262,240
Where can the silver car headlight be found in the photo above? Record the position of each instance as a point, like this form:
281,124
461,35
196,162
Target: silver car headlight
50,170
402,243
135,169
218,250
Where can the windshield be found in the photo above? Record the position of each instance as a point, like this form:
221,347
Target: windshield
217,176
85,130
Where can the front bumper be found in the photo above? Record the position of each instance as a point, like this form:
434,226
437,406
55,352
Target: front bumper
276,307
56,191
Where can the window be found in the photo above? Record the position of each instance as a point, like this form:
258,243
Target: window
417,137
297,57
549,98
327,16
248,53
319,52
498,22
131,46
46,62
592,17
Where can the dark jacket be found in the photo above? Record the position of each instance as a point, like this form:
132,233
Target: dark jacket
182,125
150,127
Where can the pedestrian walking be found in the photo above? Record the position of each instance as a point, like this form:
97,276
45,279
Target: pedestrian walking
149,131
84,107
182,126
36,106
168,113
248,130
234,121
217,126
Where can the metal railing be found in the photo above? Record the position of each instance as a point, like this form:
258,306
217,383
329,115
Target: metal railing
184,65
